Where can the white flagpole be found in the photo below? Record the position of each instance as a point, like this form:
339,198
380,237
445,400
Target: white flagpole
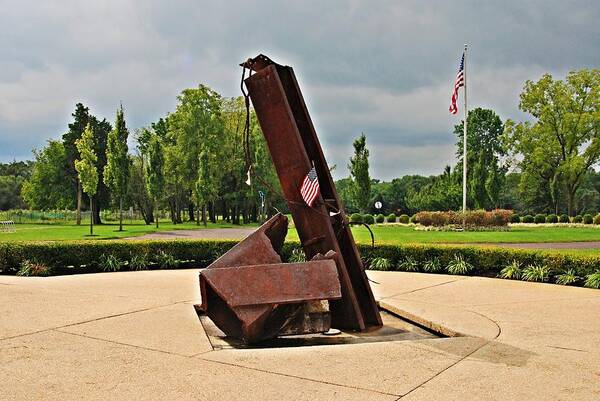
465,136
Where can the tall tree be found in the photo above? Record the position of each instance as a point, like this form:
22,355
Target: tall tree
196,125
49,186
205,189
12,177
563,141
485,173
155,180
81,119
359,173
137,191
86,168
442,193
116,171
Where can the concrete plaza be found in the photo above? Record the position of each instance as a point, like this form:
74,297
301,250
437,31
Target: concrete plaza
135,336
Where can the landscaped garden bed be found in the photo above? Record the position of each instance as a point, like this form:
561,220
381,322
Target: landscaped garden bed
68,257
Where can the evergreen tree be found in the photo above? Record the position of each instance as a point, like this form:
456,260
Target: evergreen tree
116,171
86,168
81,119
484,150
359,173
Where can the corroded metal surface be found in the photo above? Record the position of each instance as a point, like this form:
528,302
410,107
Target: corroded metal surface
294,148
279,283
249,294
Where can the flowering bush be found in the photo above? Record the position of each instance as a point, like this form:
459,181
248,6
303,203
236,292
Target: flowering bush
472,218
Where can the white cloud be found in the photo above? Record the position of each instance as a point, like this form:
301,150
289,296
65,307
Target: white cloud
386,69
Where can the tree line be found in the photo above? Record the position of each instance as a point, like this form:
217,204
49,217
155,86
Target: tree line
190,163
546,164
193,163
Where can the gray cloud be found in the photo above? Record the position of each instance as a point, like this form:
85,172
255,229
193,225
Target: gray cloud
384,68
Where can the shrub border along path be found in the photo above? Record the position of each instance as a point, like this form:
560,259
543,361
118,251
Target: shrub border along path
68,257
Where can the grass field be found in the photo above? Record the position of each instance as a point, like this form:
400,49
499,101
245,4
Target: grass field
384,234
406,234
61,232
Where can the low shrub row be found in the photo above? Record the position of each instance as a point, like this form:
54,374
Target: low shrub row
55,258
489,262
358,218
470,218
553,219
64,257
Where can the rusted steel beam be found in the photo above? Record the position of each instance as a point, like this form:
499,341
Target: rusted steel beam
249,294
258,302
294,147
280,283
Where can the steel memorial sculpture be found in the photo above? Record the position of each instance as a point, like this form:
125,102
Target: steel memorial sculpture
248,292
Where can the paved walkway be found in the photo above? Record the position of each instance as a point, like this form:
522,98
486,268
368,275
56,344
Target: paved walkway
135,336
207,233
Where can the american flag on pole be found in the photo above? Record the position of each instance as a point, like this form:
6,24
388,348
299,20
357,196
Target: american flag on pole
460,82
310,187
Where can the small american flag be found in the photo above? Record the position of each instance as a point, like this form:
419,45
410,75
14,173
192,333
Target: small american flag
460,82
310,187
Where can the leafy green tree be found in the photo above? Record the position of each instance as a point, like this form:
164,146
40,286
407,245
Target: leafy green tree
155,180
442,193
81,119
12,176
196,125
10,190
359,173
205,189
563,141
49,186
116,171
137,192
485,174
86,168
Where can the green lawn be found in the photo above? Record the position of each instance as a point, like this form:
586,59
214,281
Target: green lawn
61,232
397,233
390,234
406,234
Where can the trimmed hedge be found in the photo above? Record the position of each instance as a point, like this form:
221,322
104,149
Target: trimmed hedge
485,261
391,218
552,218
515,218
404,219
539,218
527,219
68,257
368,219
577,219
380,218
65,257
588,219
563,218
356,218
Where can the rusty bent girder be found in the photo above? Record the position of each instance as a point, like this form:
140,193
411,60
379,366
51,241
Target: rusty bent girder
248,292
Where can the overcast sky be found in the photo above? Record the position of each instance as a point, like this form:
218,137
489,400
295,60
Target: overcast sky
385,68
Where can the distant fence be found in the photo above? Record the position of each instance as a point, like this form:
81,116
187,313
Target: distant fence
7,226
64,216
